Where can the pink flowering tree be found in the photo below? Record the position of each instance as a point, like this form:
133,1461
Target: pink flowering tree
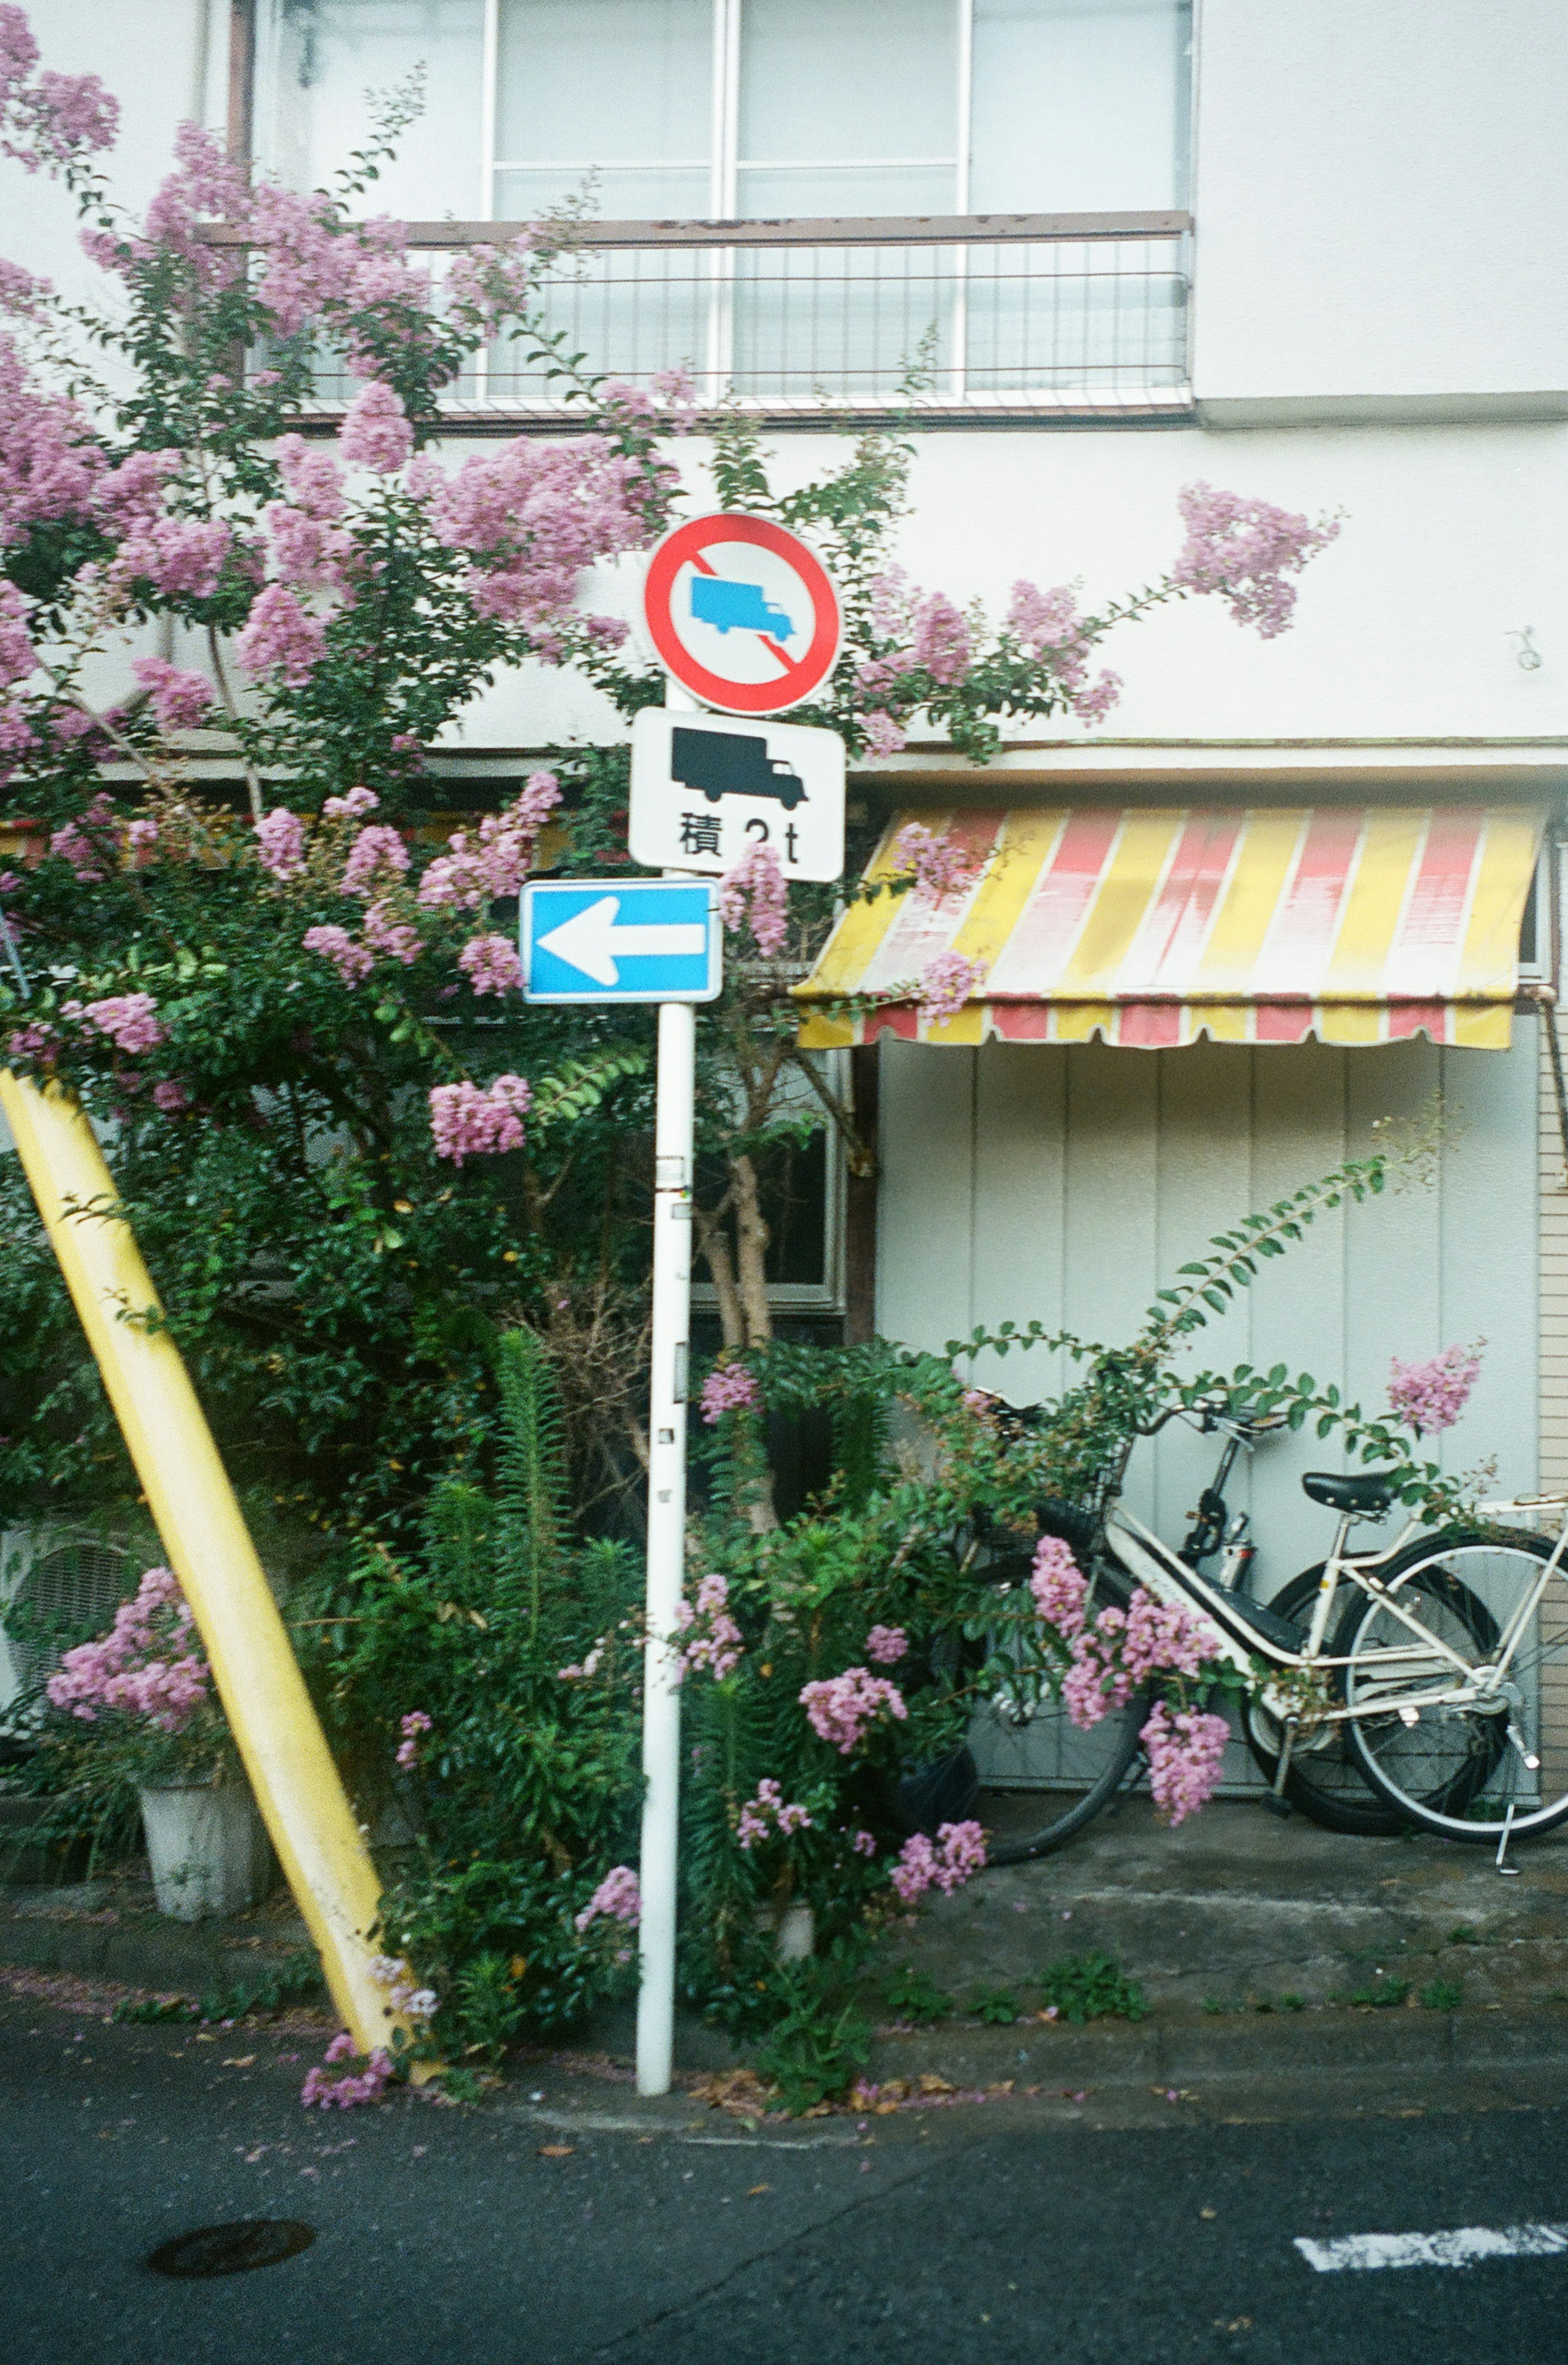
139,1699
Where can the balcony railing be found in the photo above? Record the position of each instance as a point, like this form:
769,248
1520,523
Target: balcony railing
966,317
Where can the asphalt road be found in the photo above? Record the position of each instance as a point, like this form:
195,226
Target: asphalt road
1009,2232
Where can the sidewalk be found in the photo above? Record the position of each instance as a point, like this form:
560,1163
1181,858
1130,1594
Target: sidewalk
1287,1971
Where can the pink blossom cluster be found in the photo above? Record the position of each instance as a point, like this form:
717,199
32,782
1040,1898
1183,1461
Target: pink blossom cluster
1160,1637
887,1646
862,1843
469,1120
1184,1748
415,1723
939,866
470,874
492,965
351,804
489,284
280,638
1430,1396
959,1853
882,733
532,515
170,1098
1245,550
946,982
1123,1649
48,464
180,701
618,1897
840,1707
403,1990
17,654
768,1812
91,843
314,265
1046,623
730,1388
1058,1586
280,843
756,886
376,432
981,1402
143,1666
393,938
129,1020
716,1641
374,850
352,960
582,1671
180,556
312,550
320,2092
939,640
56,120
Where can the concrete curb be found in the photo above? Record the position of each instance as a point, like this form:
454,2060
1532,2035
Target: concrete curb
1178,2048
144,1951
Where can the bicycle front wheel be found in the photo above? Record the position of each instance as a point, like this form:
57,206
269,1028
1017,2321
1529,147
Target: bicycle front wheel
1467,1769
1026,1745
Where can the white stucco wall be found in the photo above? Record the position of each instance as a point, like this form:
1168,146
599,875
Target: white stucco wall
1451,539
1380,199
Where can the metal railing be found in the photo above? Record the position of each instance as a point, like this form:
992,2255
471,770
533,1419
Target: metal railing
999,316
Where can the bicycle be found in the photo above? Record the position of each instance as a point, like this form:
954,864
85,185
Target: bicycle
1448,1662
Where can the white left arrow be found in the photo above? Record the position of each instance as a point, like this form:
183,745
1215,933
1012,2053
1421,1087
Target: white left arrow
591,941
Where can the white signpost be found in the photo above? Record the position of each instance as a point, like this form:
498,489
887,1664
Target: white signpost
743,615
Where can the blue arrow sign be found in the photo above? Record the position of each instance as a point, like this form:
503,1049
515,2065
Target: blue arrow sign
621,940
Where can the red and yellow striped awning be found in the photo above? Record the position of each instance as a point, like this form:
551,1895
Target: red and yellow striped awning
1150,927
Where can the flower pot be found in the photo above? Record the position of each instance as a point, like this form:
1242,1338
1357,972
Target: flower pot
206,1847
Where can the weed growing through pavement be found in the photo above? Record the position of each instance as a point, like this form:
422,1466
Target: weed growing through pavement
1092,1987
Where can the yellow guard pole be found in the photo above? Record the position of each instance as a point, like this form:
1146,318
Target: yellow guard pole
280,1740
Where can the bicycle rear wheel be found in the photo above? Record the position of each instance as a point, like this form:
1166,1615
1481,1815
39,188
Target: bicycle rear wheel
1027,1744
1458,1770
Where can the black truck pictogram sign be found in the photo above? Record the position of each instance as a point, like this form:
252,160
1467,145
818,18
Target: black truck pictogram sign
731,764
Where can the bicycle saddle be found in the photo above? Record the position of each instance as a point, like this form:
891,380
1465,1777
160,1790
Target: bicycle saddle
1364,1499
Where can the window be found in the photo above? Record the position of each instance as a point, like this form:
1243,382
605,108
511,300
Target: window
741,109
752,111
802,1193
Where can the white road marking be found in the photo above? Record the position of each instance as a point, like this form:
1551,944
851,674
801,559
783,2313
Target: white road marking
1466,2246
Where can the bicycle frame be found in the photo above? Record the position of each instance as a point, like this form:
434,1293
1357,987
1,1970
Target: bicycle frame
1236,1639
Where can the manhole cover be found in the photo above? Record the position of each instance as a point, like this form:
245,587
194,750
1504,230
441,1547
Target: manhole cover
232,2249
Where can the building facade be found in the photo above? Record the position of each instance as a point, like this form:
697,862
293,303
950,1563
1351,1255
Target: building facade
1305,250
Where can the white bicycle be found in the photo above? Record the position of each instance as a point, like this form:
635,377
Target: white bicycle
1440,1663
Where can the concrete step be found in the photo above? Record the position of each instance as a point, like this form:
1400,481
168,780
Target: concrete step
1235,1908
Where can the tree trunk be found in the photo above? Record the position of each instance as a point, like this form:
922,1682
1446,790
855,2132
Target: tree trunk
752,1237
714,1242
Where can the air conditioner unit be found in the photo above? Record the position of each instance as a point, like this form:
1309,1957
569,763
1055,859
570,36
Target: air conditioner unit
57,1578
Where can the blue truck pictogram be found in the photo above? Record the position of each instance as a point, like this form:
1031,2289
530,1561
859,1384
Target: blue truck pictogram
716,600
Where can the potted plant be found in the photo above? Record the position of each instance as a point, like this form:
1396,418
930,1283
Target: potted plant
147,1688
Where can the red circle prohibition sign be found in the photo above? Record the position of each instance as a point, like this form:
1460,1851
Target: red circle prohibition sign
797,677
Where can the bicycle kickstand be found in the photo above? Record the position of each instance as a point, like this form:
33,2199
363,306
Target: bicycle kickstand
1275,1801
1508,1871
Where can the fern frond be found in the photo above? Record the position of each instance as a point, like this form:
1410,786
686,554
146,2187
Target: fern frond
533,1468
